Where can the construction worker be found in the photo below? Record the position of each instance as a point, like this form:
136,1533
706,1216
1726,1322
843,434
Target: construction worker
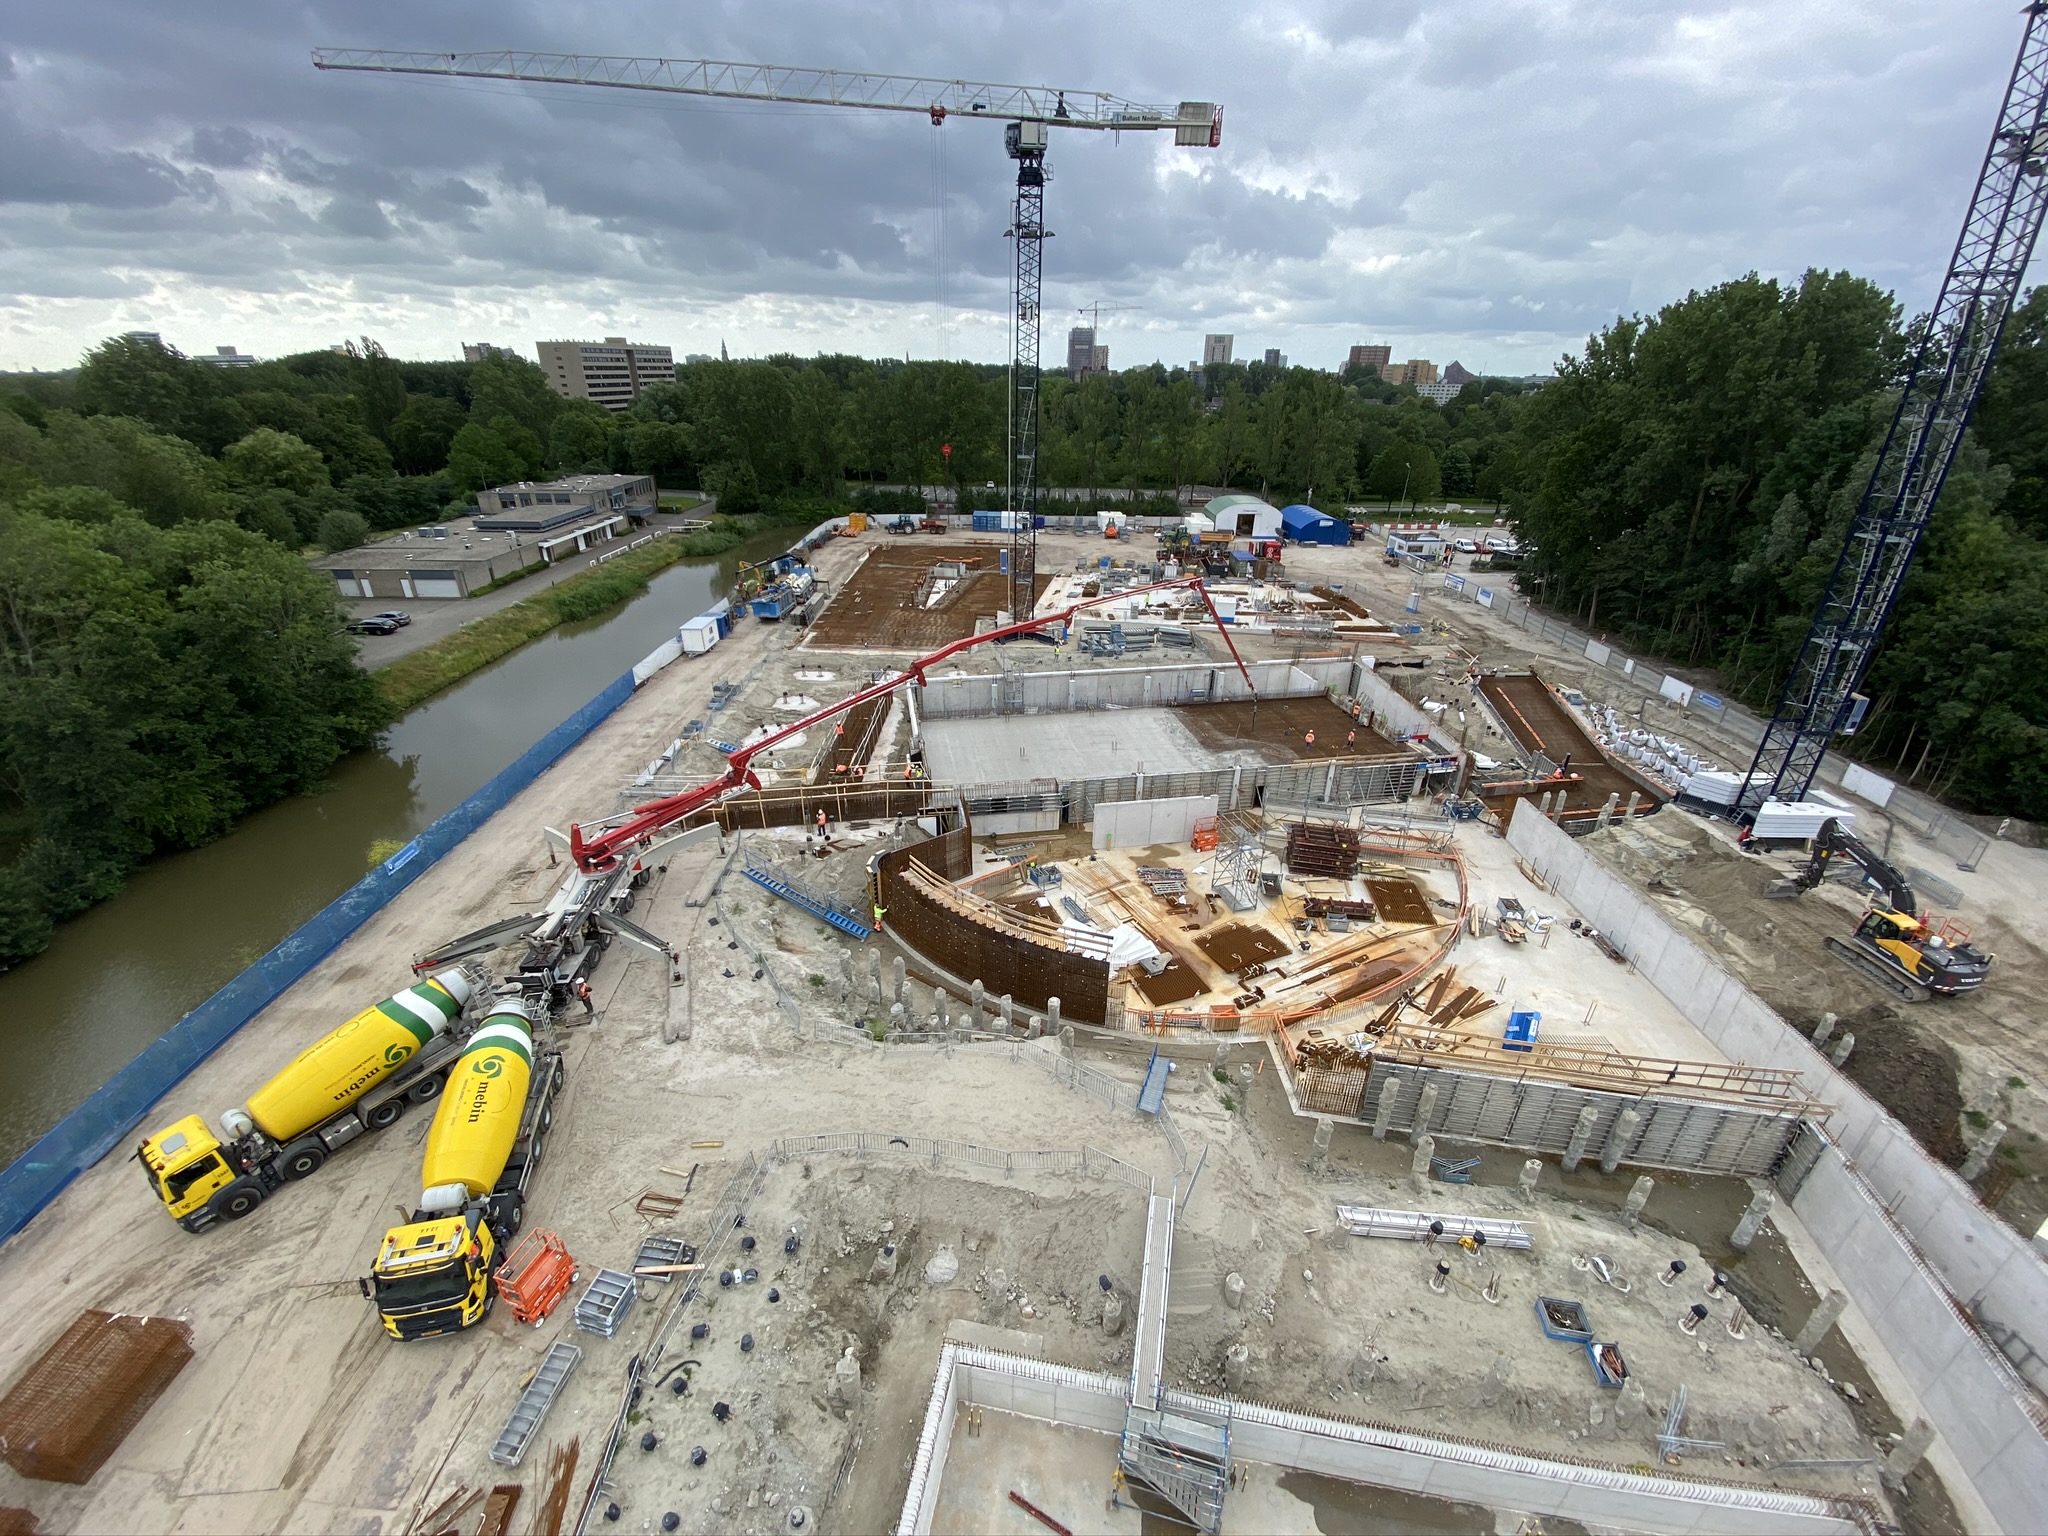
878,918
583,997
1309,741
821,821
1351,738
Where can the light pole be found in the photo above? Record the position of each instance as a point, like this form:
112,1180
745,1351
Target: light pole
1407,473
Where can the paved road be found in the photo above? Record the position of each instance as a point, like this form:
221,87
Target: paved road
433,618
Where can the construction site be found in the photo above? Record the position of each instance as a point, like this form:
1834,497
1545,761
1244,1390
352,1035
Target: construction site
1224,1126
1090,1029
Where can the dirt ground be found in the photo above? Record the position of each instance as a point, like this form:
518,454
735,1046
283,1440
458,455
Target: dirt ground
872,608
1280,728
1946,1067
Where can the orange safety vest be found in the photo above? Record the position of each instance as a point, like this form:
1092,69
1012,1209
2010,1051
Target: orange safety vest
1311,738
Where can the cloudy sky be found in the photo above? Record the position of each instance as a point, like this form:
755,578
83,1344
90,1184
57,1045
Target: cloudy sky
1482,181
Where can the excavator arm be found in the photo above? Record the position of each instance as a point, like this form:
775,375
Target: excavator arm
1832,842
604,849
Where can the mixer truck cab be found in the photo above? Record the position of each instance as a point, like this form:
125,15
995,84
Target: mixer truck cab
361,1077
433,1275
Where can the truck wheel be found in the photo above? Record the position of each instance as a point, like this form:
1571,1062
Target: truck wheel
302,1159
238,1199
425,1091
547,1119
385,1115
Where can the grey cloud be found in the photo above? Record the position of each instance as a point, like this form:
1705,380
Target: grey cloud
1520,171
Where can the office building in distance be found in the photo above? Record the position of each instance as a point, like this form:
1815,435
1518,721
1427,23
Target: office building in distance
1376,357
614,372
1216,349
1083,355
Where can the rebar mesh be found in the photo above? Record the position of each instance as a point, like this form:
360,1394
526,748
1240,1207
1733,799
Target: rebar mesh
72,1409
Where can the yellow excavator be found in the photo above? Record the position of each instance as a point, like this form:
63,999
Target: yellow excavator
1896,947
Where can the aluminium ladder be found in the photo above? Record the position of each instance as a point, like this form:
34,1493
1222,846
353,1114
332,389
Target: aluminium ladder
534,1403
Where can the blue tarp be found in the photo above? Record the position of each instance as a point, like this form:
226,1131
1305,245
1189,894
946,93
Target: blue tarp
1305,525
107,1118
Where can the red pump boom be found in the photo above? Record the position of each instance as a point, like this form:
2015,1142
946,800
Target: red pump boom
603,851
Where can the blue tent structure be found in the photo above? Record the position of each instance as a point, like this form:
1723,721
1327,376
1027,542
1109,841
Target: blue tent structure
1305,525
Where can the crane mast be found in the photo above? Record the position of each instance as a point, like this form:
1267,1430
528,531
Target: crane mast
1949,366
1027,112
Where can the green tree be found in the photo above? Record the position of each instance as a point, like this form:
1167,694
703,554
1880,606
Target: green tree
1404,471
422,432
271,460
479,457
581,436
341,530
379,386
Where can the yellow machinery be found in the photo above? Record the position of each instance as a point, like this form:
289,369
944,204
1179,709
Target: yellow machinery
433,1274
358,1078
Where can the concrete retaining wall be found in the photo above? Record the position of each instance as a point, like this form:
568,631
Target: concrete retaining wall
1902,1230
1142,687
1405,717
1461,1471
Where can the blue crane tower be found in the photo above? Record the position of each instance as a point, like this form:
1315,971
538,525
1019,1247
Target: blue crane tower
1947,373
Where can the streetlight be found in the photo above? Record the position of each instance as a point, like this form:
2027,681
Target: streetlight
1406,474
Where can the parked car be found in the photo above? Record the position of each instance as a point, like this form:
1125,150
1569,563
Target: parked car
376,624
1465,546
397,616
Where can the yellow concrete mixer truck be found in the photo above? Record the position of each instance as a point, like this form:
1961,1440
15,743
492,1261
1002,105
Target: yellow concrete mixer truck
433,1274
359,1078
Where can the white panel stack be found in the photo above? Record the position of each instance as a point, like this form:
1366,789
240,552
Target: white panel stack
1797,820
1712,788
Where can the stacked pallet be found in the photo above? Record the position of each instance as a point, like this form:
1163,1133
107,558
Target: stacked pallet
1315,848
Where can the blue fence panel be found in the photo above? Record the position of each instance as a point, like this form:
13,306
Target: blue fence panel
114,1110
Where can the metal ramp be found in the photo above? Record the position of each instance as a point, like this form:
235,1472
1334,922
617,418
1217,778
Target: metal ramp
1182,1456
791,889
1152,1095
534,1403
1148,1357
603,1306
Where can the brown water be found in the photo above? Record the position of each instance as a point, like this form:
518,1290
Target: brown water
121,974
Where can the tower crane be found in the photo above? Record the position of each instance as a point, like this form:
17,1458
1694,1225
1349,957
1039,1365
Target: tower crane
1820,701
1028,114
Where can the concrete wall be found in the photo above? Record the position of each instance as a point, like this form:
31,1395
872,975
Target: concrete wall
1141,823
1378,695
1138,687
1903,1231
1445,1469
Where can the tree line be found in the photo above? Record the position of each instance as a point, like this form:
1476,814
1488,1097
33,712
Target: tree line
1687,481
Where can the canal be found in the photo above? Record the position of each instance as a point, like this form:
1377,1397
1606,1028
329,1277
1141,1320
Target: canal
118,976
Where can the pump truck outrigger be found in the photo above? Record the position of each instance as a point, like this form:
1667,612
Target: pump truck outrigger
1896,947
359,1077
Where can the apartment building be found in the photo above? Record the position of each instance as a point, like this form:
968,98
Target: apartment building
1216,349
1417,371
1376,357
614,372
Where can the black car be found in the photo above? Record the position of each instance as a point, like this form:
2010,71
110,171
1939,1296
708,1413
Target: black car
397,616
376,624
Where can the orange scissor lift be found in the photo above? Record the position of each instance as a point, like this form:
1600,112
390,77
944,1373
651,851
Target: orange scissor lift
536,1276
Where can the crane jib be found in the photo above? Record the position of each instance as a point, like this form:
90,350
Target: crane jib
1194,124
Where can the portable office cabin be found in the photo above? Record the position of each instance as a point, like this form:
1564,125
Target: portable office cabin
1305,525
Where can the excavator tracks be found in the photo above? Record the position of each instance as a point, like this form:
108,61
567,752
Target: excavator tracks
1884,975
